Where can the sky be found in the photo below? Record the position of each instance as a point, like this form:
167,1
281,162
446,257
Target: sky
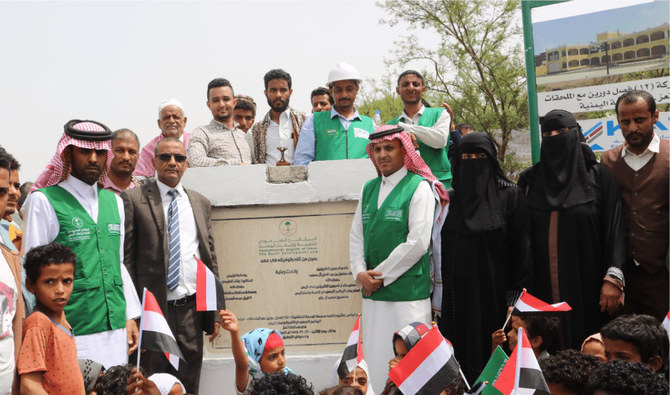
114,62
582,29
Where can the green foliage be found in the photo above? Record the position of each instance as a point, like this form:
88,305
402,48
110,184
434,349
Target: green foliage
389,106
512,166
477,67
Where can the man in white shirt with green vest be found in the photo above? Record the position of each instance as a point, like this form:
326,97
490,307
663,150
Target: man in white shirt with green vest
341,133
389,244
430,126
71,208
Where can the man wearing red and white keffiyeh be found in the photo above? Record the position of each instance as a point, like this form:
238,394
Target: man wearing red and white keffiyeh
393,241
68,206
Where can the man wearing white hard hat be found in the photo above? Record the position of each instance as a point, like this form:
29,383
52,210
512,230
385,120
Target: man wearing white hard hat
341,133
171,121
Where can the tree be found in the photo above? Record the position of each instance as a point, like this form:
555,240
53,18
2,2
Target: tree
477,68
379,95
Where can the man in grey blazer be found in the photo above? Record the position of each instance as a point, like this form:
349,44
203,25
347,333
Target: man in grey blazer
166,226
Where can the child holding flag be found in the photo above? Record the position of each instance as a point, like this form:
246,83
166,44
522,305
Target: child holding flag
256,353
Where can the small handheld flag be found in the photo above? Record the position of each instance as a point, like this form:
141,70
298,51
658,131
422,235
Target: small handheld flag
155,334
522,373
528,303
353,352
208,290
428,367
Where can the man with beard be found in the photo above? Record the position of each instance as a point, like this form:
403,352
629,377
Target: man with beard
340,133
640,167
221,142
171,121
389,244
485,252
577,231
125,148
430,127
70,208
281,125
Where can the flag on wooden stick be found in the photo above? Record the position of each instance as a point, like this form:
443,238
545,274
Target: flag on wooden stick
353,352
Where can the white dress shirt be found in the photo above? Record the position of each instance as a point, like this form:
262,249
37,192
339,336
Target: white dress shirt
404,255
279,135
41,227
188,240
436,136
636,162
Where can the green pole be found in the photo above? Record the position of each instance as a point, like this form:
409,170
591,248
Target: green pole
529,49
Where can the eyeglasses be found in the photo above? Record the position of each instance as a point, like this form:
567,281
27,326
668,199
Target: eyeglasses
179,158
4,191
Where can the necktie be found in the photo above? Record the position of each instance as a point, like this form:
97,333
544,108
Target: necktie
174,246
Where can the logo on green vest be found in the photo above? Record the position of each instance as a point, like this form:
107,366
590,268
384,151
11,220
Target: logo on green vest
77,222
331,132
361,133
114,229
393,215
365,214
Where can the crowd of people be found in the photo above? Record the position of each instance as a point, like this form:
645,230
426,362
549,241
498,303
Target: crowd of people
442,235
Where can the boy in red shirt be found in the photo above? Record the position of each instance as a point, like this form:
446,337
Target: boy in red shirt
48,359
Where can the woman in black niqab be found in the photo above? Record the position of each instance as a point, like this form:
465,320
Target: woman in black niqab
577,233
485,252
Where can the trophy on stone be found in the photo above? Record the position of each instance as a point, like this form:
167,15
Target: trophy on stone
282,161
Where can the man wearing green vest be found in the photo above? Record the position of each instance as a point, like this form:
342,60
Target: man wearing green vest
340,133
429,126
71,208
389,244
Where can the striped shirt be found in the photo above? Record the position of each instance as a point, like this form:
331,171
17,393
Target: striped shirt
216,145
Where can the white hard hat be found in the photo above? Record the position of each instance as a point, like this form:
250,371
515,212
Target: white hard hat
343,71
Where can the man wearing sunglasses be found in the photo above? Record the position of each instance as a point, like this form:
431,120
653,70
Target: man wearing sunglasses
167,227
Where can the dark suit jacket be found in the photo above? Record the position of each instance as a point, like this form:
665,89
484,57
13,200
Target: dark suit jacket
146,241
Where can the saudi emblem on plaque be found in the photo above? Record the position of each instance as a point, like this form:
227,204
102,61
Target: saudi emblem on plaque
287,227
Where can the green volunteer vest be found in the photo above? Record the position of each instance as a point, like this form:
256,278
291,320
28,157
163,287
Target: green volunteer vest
97,303
436,159
386,227
333,142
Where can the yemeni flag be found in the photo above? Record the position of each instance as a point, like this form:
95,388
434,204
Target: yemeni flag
208,289
522,374
528,303
155,334
428,367
353,352
666,323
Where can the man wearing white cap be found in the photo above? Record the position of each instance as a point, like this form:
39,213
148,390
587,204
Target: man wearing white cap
171,121
70,208
340,133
